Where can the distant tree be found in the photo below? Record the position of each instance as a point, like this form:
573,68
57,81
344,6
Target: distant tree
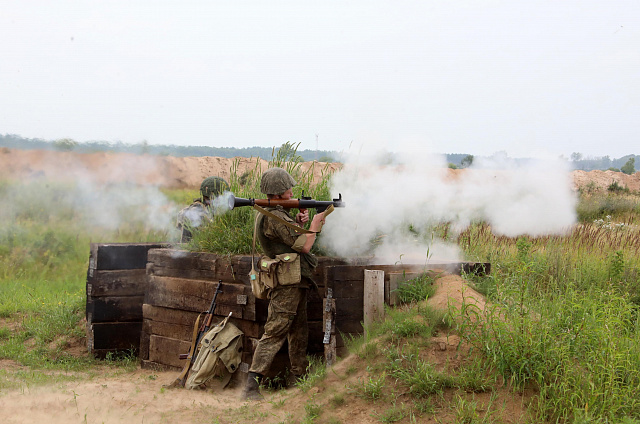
467,161
629,168
453,166
613,169
576,156
65,144
327,159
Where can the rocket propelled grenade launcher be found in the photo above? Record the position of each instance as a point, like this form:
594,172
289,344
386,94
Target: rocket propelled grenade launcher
302,203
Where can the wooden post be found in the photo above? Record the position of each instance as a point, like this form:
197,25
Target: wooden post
373,307
329,324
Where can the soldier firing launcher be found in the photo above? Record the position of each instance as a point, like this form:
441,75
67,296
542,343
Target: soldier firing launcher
302,203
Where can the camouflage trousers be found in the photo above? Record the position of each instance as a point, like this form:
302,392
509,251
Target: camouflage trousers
287,320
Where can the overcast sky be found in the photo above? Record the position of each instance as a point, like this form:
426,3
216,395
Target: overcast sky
532,78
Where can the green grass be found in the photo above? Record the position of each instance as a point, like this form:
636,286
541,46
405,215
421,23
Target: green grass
45,233
564,319
232,231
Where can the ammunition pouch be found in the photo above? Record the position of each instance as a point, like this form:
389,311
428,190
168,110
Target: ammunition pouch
283,270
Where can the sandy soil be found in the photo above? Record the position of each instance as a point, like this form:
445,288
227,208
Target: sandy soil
188,172
110,168
139,397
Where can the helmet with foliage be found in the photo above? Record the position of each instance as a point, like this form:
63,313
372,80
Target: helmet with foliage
276,181
213,186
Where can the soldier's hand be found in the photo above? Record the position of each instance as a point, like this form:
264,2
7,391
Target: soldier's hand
302,217
317,223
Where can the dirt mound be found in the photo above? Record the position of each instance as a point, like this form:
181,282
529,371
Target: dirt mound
116,168
601,180
188,172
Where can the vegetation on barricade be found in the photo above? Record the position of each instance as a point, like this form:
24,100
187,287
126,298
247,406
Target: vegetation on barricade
232,230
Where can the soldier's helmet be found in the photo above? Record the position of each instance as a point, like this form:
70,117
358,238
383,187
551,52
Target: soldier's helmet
276,181
213,186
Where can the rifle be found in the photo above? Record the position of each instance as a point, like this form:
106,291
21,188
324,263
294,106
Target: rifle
197,336
302,203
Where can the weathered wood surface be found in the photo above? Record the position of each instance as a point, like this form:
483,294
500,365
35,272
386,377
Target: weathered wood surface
118,256
165,350
179,324
129,282
113,336
114,309
212,267
196,295
373,302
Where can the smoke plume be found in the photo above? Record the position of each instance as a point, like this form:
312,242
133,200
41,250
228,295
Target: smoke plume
395,200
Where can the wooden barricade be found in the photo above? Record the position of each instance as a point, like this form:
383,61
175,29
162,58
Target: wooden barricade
181,284
116,284
147,298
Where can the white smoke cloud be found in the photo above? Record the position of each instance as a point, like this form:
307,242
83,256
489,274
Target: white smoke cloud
96,201
386,193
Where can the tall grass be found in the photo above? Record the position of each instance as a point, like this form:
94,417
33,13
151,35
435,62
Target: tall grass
232,231
564,318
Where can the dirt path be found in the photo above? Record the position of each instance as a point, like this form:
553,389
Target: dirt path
139,396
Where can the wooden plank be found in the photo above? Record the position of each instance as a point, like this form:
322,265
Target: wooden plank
114,309
347,288
194,274
196,296
185,332
166,329
182,259
349,327
114,256
350,309
209,266
373,302
174,316
166,351
129,282
144,344
115,335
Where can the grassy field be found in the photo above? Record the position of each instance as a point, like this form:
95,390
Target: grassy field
563,318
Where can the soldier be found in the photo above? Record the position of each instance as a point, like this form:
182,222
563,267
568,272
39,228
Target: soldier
287,313
200,211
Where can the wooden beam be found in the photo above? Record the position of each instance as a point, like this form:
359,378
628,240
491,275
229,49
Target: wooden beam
129,282
373,302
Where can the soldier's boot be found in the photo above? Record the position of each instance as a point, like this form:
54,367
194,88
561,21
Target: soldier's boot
252,388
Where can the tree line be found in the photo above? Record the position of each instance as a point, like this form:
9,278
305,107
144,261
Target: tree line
456,160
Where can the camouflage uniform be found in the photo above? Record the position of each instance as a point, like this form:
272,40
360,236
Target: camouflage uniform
199,212
191,217
287,314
